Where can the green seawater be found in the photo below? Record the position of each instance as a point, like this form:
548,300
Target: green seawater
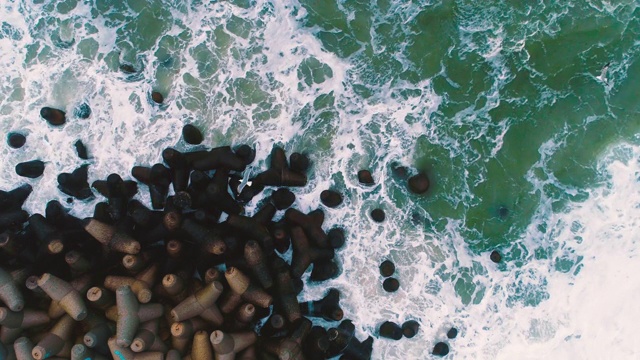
512,76
514,101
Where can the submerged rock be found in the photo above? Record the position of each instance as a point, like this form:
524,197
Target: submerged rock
82,111
419,184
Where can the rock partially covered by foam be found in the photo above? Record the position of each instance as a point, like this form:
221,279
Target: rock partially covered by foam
82,111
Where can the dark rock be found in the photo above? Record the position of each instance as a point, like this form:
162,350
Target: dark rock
327,308
75,184
191,134
13,199
282,198
410,328
387,268
343,340
495,256
503,212
299,162
390,330
400,171
441,349
53,116
324,270
391,285
81,150
246,153
378,215
157,97
82,111
16,140
419,184
330,198
128,69
31,169
365,178
336,238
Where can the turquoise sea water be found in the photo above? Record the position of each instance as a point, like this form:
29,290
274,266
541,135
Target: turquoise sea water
524,115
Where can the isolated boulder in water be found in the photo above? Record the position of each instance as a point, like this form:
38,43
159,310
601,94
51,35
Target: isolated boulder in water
387,268
410,328
192,135
390,330
330,198
378,215
365,178
441,349
16,140
81,150
495,256
53,116
31,169
157,97
391,285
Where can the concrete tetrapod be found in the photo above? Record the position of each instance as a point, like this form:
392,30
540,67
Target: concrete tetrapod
227,346
130,314
243,289
55,340
62,292
123,353
202,303
9,293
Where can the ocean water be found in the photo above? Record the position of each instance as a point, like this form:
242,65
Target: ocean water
525,106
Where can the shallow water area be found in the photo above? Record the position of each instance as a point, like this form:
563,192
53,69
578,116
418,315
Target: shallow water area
524,116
